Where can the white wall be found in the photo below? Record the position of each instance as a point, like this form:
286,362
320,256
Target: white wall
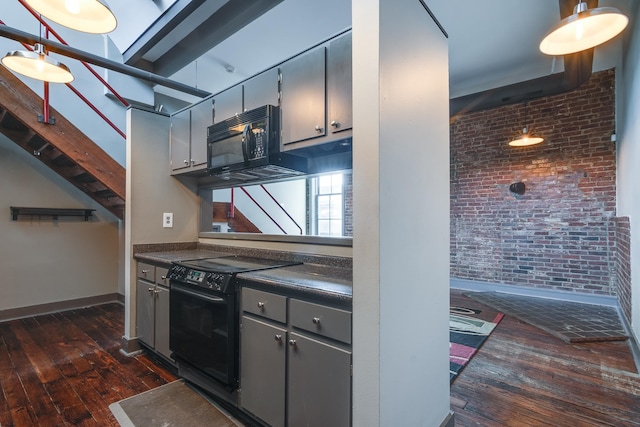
151,191
400,273
46,261
628,196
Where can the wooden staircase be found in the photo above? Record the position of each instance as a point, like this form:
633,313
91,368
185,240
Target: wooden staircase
61,146
238,224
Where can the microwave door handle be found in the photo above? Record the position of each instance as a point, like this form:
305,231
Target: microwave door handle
246,134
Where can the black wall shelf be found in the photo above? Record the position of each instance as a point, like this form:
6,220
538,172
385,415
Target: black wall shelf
54,213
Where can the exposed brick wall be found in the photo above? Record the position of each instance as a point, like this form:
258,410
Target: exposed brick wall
561,234
623,265
348,204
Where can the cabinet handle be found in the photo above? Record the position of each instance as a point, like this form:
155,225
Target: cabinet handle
278,338
335,124
192,162
260,305
150,290
163,277
186,162
145,271
318,129
316,320
292,343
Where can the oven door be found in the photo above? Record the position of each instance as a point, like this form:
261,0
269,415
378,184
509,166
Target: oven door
203,332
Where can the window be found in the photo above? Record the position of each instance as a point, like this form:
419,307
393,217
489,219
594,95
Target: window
315,206
329,205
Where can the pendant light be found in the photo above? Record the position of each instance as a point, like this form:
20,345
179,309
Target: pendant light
89,16
37,65
583,30
525,139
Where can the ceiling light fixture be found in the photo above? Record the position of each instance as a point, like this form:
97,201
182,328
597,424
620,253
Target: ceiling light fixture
37,65
89,16
585,29
525,139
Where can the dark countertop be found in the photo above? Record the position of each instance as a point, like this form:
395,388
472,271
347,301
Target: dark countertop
310,281
322,282
166,258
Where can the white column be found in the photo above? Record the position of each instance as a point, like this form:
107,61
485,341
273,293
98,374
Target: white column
401,215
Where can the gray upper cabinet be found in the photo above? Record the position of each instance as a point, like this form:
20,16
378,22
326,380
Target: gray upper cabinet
201,119
339,84
181,140
189,137
303,97
227,104
261,90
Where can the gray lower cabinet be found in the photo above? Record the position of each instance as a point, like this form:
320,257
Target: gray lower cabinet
319,386
152,308
295,361
262,368
145,312
161,333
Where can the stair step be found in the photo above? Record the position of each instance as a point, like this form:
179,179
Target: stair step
84,178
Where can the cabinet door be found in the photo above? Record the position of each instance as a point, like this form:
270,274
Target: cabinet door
339,84
162,321
201,119
261,90
262,370
227,104
303,97
319,383
145,312
180,140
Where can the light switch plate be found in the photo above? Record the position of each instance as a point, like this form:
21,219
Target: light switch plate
167,220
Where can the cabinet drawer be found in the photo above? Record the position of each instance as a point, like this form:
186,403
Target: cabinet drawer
146,271
326,321
265,304
161,276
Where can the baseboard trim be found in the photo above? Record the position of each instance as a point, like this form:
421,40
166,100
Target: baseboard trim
54,307
633,343
472,285
130,347
449,420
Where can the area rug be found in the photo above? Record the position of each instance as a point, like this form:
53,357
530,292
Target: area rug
468,330
170,405
572,322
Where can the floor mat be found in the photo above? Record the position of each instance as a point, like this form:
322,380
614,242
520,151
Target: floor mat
468,330
569,321
170,405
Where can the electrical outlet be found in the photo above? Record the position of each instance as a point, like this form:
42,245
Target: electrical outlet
167,220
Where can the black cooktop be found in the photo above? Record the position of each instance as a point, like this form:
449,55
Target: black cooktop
233,264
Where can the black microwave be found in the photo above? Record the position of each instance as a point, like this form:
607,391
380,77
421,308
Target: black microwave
247,146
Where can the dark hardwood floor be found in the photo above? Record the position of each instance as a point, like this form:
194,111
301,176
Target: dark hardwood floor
65,369
523,376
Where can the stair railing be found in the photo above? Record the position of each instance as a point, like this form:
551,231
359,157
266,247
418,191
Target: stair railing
244,190
46,118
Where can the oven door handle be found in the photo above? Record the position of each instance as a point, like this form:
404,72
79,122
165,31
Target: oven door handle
178,288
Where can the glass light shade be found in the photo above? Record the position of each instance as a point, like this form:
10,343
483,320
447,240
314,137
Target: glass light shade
525,140
89,16
37,66
585,29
